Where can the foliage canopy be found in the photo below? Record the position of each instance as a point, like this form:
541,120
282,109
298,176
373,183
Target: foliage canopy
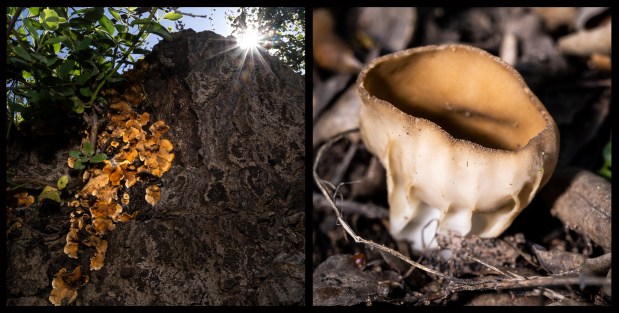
59,59
284,29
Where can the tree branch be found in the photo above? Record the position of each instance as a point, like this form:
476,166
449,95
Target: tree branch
12,22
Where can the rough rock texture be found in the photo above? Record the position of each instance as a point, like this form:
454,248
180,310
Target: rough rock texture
338,281
229,228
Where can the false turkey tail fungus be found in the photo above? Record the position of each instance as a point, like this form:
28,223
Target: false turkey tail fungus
64,285
133,151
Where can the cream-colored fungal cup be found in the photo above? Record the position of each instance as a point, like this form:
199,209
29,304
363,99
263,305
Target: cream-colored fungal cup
465,142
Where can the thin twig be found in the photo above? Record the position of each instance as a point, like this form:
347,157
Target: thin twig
93,128
533,282
490,266
368,210
191,14
30,180
345,163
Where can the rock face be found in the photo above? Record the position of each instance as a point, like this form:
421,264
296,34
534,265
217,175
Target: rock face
229,228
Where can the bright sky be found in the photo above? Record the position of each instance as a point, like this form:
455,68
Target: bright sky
218,24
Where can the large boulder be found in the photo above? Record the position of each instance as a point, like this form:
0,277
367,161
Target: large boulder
229,228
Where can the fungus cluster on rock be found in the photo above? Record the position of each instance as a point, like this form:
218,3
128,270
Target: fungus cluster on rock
136,155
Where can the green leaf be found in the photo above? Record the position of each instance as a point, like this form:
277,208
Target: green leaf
21,64
54,40
79,22
65,68
107,25
86,75
66,91
606,169
85,91
104,40
84,44
607,153
31,28
87,148
21,52
49,19
139,21
98,158
39,57
32,96
34,11
62,182
78,165
16,107
606,172
51,193
26,75
79,109
74,154
121,28
115,14
129,37
94,14
51,60
56,47
157,29
172,16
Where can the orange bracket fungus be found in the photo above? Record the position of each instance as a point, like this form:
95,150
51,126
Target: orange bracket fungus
23,199
153,194
98,206
465,142
65,285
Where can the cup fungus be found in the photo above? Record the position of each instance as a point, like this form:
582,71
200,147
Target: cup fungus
465,142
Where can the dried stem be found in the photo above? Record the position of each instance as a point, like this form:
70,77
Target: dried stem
371,211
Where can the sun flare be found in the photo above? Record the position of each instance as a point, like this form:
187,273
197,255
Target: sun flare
250,39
